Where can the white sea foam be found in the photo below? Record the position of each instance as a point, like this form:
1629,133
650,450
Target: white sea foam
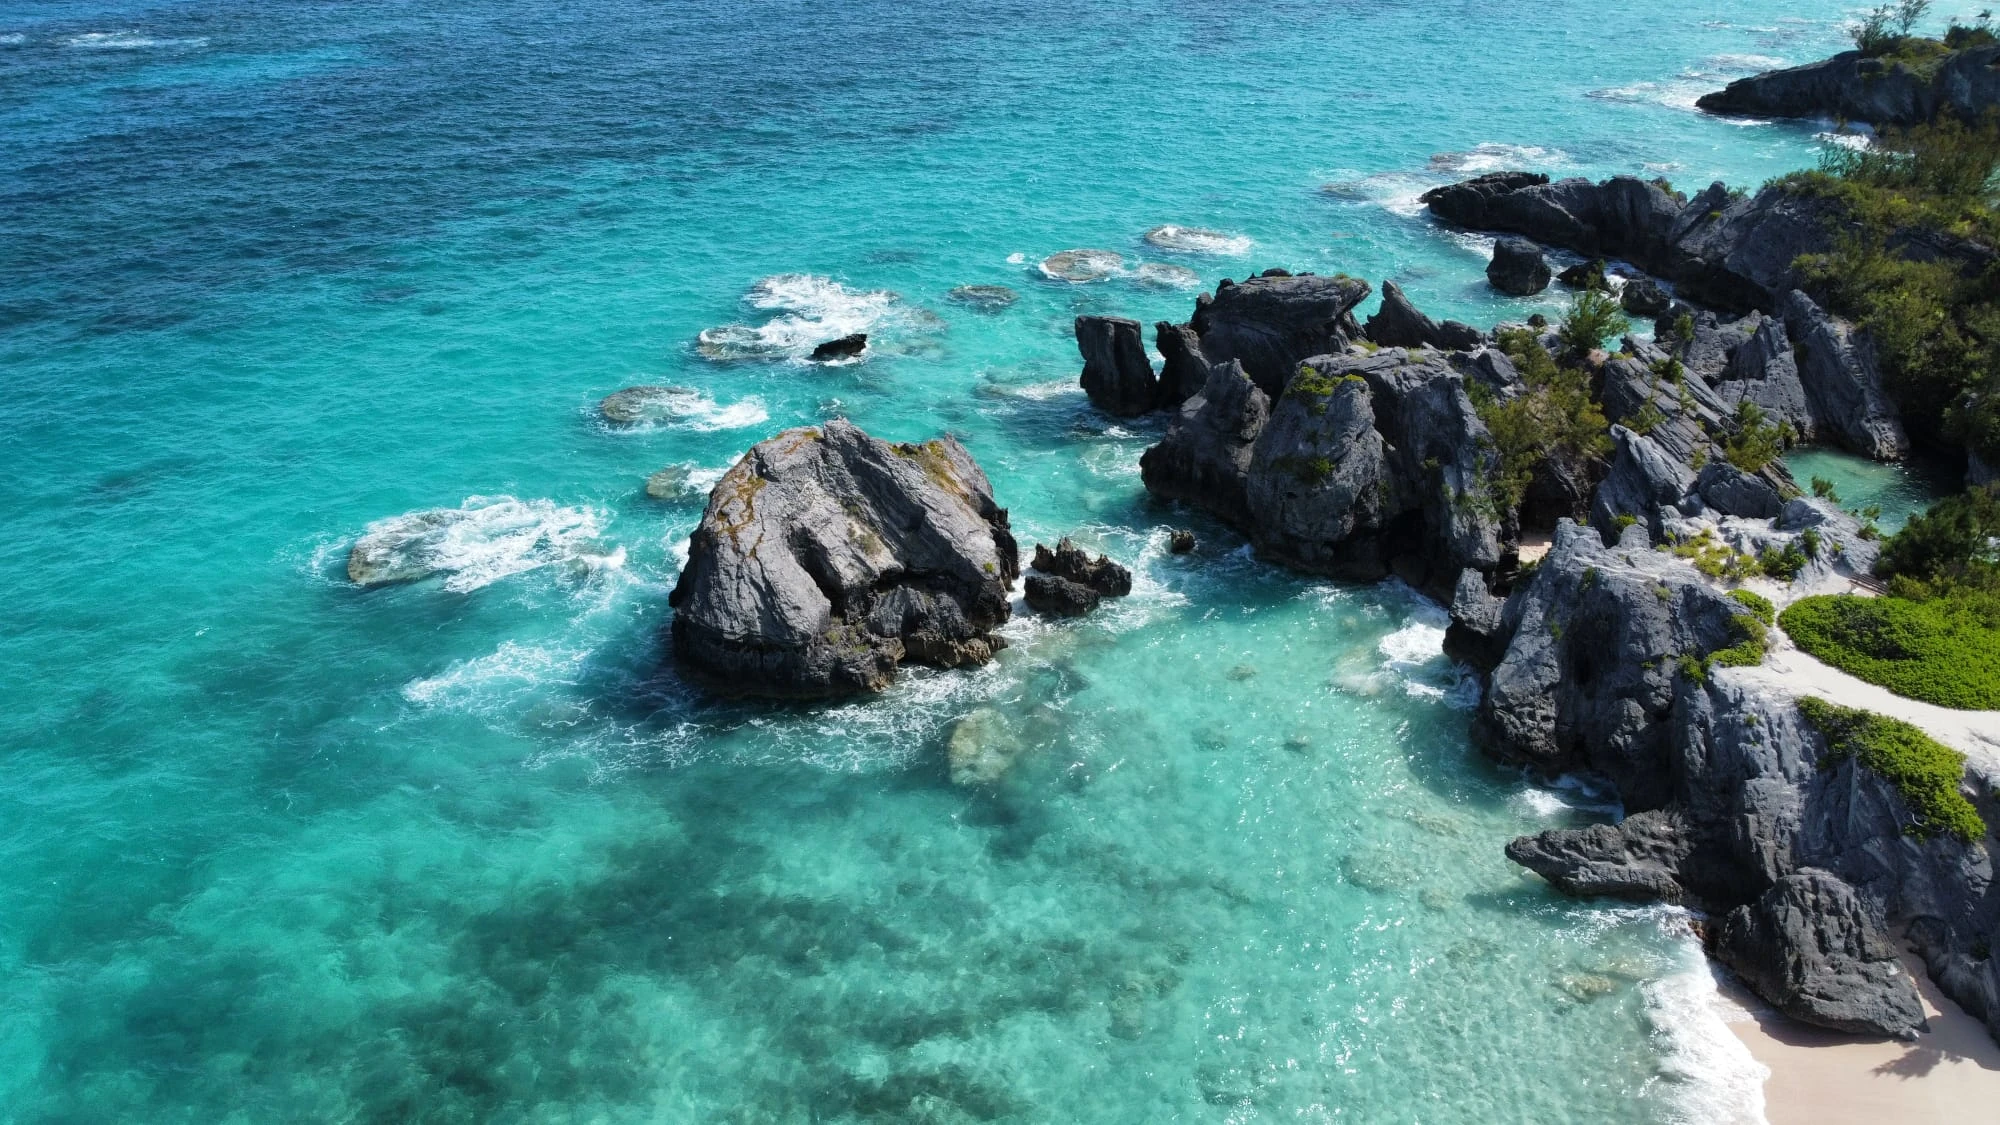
687,409
1494,156
1414,655
1708,1074
489,538
1856,140
1199,240
13,39
126,41
510,670
1741,64
810,311
1163,275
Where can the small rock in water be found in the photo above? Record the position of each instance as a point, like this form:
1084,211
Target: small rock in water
1164,275
401,550
1518,268
1075,564
1082,265
1298,742
1242,672
1059,597
983,748
671,483
634,405
1585,987
1197,240
1181,542
1643,296
846,347
984,298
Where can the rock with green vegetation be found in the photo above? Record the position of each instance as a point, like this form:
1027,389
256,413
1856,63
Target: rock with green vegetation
1943,650
1909,85
1271,324
1842,381
1545,425
1811,947
827,557
1925,773
1644,484
1368,464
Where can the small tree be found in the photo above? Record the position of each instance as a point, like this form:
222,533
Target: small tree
1888,24
1758,441
1595,316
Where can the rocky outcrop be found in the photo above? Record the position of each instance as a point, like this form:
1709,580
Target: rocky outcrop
1067,582
1117,376
635,405
1645,481
827,557
1270,324
1612,665
1739,252
1186,369
1623,217
1853,87
1642,296
1401,324
846,347
672,483
1365,465
1842,381
1518,268
1809,945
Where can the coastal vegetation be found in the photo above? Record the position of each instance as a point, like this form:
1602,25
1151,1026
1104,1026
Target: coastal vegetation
1924,772
1555,421
1942,650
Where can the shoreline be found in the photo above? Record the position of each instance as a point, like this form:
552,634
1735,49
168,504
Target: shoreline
1825,1078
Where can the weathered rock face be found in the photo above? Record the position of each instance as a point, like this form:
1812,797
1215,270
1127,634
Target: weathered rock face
1271,324
1843,383
846,347
826,557
1116,373
1186,369
1644,479
1518,268
1734,804
1642,296
1852,87
1763,370
1067,582
1809,944
1623,217
1366,465
1401,324
1057,596
1737,252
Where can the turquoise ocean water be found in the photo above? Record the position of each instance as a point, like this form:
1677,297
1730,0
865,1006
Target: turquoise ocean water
276,849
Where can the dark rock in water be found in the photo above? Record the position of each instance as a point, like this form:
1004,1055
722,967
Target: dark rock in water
1843,383
1518,268
826,557
1477,634
634,405
1273,323
1853,87
1116,373
1186,369
1637,859
1586,275
1361,469
1181,541
1058,596
671,483
1074,563
1472,203
1623,217
1642,296
984,298
1809,946
844,348
1737,252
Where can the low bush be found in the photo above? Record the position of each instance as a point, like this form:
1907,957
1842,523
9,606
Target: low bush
1924,772
1944,651
1554,420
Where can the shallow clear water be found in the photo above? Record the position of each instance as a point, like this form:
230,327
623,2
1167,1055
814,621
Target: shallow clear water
278,849
1899,490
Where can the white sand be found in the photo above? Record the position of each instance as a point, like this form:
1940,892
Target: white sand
1951,1074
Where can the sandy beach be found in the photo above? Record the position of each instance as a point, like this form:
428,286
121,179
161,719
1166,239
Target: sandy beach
1950,1074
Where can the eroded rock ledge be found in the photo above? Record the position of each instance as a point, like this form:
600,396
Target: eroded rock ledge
827,557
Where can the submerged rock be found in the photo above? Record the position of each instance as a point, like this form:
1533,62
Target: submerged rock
1197,240
1518,268
826,557
485,539
1116,373
1082,265
635,405
1181,541
984,298
982,748
672,483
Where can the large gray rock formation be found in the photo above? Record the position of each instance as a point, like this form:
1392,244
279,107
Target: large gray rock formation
1270,324
1116,373
1186,369
1623,217
826,557
1809,944
1734,802
1364,466
1843,382
1853,87
1400,324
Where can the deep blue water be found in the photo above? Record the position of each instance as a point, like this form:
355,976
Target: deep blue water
275,848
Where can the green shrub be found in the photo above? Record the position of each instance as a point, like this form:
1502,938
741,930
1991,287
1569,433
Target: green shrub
1884,28
1944,651
1752,642
1757,440
1593,317
1784,564
1954,544
1555,419
1757,604
1823,488
1924,772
